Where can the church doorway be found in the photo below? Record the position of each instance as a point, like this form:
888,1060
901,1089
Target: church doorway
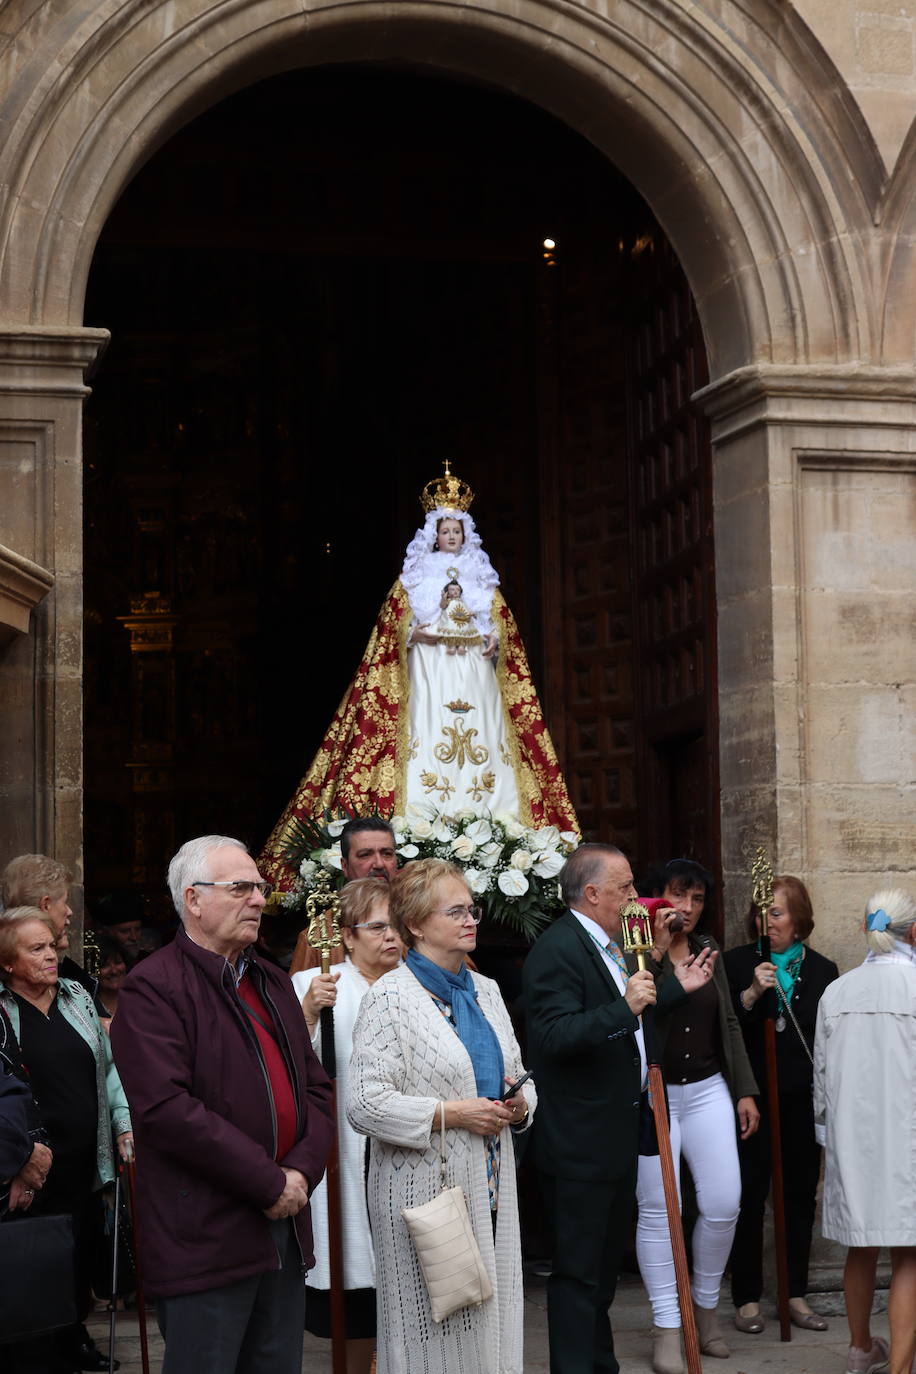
318,290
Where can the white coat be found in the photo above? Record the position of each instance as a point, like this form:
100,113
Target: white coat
359,1261
406,1059
865,1094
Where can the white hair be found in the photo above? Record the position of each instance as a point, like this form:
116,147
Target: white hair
426,570
901,908
192,864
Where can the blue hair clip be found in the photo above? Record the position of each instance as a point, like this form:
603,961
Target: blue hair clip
877,920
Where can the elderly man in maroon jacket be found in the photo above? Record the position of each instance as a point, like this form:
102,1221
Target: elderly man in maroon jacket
232,1123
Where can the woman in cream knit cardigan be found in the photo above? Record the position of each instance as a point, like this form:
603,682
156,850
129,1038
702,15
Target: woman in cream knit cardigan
416,1044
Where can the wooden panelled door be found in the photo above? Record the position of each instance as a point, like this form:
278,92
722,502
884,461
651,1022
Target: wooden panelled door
630,676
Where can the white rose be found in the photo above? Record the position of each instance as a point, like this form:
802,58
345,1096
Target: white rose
521,860
480,831
307,869
503,818
441,830
549,865
548,837
467,813
463,847
335,827
408,851
330,858
513,828
478,880
490,854
512,883
421,829
399,826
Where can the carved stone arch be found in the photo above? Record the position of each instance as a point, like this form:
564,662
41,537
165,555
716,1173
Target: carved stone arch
897,222
731,123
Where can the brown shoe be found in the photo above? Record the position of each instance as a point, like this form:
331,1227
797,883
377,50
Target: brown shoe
666,1350
751,1323
711,1342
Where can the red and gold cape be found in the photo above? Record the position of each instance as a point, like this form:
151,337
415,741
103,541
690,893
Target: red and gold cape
361,765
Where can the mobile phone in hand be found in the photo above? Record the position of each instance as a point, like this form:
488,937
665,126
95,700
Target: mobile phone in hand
514,1087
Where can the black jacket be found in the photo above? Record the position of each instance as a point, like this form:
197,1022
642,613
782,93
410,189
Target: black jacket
792,1063
583,1052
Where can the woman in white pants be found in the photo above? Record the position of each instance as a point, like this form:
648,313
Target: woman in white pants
709,1081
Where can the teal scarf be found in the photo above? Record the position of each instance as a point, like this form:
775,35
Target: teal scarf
788,966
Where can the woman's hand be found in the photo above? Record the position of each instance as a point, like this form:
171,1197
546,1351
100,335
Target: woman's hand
491,647
481,1115
320,993
516,1104
662,934
748,1116
764,979
125,1144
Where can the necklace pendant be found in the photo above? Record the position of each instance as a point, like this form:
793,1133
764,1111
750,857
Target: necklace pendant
780,1022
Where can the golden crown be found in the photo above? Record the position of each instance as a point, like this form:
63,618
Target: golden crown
448,491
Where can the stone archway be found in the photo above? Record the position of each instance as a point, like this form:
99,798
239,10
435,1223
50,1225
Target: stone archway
734,126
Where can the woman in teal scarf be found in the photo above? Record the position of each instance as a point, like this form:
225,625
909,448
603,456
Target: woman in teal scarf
797,976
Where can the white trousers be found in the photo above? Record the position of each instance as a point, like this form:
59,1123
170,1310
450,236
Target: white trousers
703,1128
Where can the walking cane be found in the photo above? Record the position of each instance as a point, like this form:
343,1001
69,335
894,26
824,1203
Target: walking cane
323,909
135,1223
113,1312
637,939
762,875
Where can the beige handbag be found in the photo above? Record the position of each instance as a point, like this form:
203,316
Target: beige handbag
449,1256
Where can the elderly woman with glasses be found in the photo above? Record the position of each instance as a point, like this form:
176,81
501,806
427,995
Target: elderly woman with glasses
372,948
430,1036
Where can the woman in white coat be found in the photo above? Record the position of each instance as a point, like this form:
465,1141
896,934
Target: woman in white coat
430,1033
372,948
865,1095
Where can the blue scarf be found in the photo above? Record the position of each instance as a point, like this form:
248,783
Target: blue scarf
474,1030
788,966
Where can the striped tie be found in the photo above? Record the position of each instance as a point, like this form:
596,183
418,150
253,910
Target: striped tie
613,950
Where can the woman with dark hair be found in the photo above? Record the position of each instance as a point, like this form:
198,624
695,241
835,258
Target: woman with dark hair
709,1082
371,949
797,977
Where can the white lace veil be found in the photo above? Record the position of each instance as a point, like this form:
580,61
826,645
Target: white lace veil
425,571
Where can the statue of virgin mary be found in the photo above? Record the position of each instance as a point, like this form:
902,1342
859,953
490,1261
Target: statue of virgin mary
442,711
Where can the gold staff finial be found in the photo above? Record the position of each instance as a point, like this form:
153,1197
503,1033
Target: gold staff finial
323,910
762,878
636,929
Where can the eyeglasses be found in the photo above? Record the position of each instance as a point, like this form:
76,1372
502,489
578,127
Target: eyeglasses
376,927
461,913
240,889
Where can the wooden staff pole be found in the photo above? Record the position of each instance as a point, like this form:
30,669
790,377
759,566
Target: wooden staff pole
762,873
637,939
323,907
135,1224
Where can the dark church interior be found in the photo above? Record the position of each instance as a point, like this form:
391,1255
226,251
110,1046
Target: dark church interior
317,291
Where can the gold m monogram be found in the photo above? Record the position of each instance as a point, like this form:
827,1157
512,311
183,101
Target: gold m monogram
460,745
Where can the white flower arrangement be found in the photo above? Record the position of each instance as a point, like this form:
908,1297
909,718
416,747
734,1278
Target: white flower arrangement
512,868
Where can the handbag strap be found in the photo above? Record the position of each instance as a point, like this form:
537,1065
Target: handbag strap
442,1139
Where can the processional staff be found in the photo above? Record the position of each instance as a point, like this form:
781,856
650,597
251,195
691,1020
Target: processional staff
323,911
637,939
762,877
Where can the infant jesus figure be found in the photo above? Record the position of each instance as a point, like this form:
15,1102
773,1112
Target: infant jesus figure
456,627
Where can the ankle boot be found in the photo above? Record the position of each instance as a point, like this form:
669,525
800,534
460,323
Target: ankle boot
666,1350
711,1342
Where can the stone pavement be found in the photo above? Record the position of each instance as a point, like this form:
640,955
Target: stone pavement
809,1352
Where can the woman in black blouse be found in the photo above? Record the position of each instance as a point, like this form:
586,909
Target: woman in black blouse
798,975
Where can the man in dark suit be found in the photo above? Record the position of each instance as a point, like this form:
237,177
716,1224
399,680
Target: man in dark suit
585,1046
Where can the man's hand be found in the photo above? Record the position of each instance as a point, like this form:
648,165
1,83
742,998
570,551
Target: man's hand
21,1195
696,971
748,1116
320,993
293,1198
640,992
34,1172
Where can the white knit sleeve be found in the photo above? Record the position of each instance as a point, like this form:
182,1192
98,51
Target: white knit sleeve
383,1068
